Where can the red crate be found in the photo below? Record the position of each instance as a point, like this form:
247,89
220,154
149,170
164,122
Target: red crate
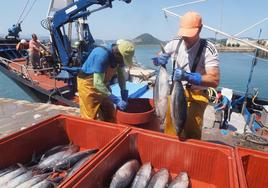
252,168
62,129
207,166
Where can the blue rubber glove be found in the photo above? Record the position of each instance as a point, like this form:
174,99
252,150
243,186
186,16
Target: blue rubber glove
217,110
182,75
122,105
124,94
161,60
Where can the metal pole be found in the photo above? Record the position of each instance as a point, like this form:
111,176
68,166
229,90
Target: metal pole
254,62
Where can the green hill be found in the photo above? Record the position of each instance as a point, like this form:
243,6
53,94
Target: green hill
146,39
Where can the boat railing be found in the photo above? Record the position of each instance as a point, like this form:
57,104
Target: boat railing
23,69
5,61
43,69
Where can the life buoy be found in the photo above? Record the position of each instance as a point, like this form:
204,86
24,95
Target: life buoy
212,93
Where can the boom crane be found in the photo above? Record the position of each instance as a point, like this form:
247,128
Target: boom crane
62,52
61,46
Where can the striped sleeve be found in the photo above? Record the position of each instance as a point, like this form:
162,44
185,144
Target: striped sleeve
211,55
171,45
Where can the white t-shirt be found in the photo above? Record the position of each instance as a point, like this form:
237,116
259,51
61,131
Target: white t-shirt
209,57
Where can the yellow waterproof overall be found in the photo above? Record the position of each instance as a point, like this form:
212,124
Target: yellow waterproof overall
196,105
93,103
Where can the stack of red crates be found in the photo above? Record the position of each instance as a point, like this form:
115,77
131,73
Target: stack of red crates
59,130
207,164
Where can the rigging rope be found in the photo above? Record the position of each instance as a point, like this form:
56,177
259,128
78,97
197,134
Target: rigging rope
171,30
28,10
23,11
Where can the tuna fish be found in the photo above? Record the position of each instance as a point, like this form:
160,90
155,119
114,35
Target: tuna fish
160,179
143,176
48,164
161,92
78,165
34,180
7,170
181,181
54,150
125,174
20,179
178,107
69,161
11,175
44,184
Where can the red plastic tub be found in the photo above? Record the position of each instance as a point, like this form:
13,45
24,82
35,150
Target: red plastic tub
207,166
252,168
62,129
140,112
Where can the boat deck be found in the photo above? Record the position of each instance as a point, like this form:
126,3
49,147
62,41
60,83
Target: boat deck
233,136
44,80
41,81
237,122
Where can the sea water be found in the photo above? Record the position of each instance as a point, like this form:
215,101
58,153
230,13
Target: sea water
10,89
234,74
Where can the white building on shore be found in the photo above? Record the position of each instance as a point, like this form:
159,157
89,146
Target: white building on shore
234,42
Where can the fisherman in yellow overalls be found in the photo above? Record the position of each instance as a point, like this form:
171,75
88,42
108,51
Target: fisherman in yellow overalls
95,98
196,64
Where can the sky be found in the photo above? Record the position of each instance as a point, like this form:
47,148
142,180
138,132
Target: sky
127,21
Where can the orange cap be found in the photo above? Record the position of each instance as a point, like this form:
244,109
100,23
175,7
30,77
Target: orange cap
190,24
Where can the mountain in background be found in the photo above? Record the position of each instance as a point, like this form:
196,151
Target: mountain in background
146,39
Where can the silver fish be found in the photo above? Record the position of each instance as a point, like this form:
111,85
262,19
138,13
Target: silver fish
34,180
78,165
160,179
54,150
7,170
49,163
125,174
69,161
180,181
178,107
44,184
11,175
161,92
143,176
20,179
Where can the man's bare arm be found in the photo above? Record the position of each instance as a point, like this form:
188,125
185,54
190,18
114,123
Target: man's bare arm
211,78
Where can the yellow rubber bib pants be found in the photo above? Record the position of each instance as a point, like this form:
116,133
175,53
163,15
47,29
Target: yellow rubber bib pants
196,105
93,103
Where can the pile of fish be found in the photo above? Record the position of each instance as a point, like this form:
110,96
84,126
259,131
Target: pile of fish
47,170
133,175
